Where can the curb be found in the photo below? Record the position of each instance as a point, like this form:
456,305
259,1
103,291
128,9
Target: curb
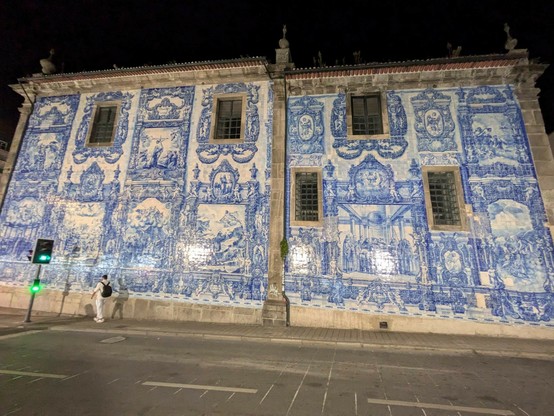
306,342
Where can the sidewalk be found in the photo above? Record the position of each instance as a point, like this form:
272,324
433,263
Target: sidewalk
11,321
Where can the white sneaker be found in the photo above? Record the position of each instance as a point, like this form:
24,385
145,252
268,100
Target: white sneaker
95,319
99,321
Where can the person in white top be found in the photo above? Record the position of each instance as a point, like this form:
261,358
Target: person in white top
99,299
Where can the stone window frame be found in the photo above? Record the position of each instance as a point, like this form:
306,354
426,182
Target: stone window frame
97,106
298,223
463,224
384,116
215,116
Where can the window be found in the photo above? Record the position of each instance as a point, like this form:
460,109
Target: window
102,131
229,118
366,116
306,197
444,198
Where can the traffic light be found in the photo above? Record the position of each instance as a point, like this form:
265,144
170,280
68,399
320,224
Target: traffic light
43,251
35,288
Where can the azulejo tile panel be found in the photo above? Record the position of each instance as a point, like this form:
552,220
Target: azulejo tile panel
375,251
162,211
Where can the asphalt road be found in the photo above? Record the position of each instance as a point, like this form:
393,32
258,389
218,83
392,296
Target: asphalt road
79,373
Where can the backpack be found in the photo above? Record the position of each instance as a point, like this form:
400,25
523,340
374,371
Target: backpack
106,290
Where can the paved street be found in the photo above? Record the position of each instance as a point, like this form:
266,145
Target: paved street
61,366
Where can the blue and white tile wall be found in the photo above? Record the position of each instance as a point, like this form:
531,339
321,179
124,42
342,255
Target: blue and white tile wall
375,252
163,211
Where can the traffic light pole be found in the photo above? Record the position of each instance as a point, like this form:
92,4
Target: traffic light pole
28,317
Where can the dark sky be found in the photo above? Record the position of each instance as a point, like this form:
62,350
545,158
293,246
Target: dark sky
96,34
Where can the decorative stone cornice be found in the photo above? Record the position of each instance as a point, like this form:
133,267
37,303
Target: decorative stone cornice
138,77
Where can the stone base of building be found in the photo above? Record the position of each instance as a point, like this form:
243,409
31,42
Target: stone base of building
274,313
80,304
341,319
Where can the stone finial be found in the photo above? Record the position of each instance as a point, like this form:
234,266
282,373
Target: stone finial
284,43
47,64
452,53
510,42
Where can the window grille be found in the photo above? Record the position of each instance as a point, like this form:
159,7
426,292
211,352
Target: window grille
103,126
229,113
444,198
366,115
306,196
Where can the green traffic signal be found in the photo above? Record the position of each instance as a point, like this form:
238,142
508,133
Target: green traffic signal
43,251
35,288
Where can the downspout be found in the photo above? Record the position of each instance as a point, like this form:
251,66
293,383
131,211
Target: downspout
285,171
10,175
284,244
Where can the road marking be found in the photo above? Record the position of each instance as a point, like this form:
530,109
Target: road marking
35,380
199,387
265,395
31,374
482,410
298,389
401,367
328,382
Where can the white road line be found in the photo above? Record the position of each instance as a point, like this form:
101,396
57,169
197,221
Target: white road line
400,367
520,409
328,382
75,375
113,381
356,403
35,380
31,374
483,410
230,397
298,389
199,387
265,395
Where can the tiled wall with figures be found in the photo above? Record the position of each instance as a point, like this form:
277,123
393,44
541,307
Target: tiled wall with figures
165,212
375,252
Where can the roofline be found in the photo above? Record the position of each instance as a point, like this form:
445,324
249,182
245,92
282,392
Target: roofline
145,70
433,64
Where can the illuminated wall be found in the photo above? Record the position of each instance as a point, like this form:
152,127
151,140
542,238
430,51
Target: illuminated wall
163,211
375,252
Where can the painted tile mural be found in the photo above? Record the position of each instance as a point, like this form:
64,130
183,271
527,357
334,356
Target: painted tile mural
375,252
163,211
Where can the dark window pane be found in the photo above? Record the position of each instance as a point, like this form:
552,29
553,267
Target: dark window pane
229,113
306,197
444,198
366,115
103,126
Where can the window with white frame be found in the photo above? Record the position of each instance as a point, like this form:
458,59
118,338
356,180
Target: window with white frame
444,198
103,124
306,201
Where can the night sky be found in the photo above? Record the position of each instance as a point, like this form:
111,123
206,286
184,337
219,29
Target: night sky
96,34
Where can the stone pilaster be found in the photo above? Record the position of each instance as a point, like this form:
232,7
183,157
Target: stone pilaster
274,311
540,146
25,112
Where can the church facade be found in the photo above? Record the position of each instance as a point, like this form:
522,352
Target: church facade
400,196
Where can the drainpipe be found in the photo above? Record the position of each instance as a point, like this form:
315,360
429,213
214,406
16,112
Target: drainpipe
23,131
287,301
